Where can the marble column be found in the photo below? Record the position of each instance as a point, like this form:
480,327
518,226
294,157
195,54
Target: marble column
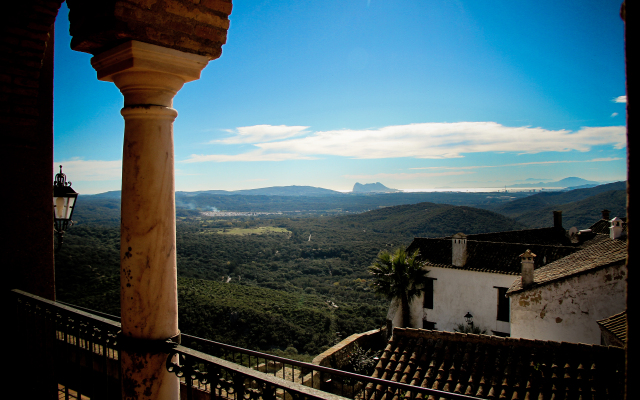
148,76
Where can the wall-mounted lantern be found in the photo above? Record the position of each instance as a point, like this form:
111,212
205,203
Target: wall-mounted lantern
64,200
469,318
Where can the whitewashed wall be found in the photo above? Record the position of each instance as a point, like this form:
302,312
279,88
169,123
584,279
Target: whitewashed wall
568,310
456,292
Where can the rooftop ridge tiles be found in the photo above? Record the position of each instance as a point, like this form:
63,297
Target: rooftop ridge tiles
447,240
508,367
440,336
533,230
595,257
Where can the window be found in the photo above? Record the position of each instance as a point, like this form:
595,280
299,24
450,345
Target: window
503,305
428,294
428,325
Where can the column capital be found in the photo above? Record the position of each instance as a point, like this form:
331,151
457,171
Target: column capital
146,73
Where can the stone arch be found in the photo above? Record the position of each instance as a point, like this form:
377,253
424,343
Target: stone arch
26,98
26,116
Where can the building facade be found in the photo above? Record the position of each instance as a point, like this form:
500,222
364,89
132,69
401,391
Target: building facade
566,298
470,275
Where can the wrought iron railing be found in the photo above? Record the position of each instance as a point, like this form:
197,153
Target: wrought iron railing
73,352
82,359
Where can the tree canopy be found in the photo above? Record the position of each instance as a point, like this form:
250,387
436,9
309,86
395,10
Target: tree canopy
399,275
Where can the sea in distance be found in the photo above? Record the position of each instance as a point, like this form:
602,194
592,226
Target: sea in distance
477,190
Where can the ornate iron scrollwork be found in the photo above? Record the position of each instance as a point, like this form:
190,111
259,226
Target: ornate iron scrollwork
186,368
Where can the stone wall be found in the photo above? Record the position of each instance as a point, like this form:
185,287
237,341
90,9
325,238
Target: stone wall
336,356
26,121
567,310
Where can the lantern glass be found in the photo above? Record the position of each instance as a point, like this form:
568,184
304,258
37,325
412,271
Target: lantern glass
64,200
63,206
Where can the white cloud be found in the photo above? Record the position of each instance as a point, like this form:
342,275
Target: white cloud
614,114
606,159
425,140
262,133
620,99
257,155
78,170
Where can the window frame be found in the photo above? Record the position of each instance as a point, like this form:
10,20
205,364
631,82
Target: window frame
428,294
503,306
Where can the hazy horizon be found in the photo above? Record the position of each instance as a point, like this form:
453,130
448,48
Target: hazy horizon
406,190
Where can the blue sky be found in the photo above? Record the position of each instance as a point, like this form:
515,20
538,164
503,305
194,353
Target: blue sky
413,94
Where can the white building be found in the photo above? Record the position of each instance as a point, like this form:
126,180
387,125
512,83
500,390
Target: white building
566,298
472,273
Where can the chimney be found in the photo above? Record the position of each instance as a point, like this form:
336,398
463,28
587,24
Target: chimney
605,214
615,230
459,249
557,219
527,259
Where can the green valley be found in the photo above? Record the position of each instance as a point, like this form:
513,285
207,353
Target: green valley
276,282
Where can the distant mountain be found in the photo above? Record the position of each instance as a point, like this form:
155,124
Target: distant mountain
571,182
580,207
268,191
372,188
541,200
114,194
271,191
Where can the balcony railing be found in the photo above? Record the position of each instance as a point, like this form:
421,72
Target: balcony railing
78,354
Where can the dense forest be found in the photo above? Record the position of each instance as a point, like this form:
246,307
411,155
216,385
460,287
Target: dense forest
278,283
241,275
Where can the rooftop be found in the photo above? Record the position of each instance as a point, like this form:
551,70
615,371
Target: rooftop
599,255
616,325
544,236
602,226
486,256
505,368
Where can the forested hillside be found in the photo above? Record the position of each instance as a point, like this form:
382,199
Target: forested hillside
430,220
580,207
581,214
539,201
300,277
292,282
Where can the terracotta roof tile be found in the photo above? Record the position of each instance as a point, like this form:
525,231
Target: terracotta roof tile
617,325
604,252
498,252
496,257
505,368
547,236
602,226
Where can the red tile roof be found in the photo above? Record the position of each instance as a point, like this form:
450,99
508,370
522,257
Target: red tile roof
506,368
603,225
617,325
496,257
498,252
599,255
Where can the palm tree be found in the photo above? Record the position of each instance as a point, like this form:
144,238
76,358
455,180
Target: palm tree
399,275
